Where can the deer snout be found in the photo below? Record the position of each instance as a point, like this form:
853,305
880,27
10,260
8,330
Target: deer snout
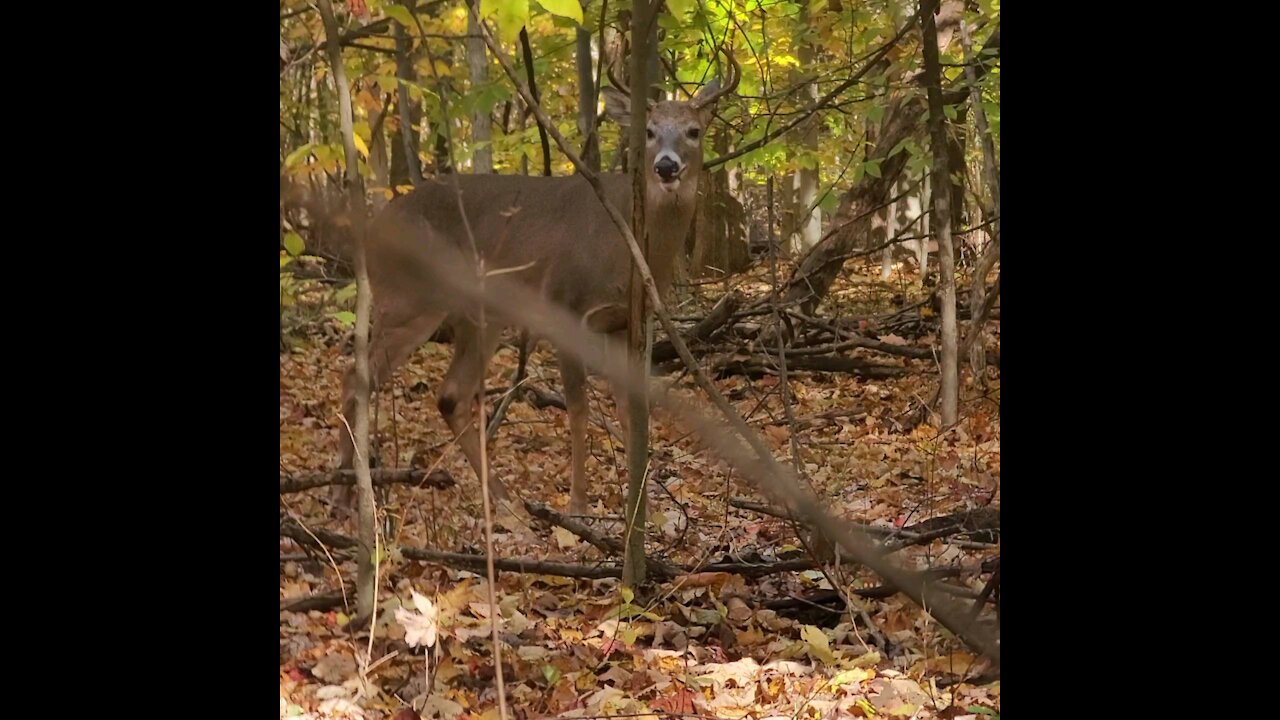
667,168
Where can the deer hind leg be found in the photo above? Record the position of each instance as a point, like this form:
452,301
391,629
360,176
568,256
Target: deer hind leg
459,394
393,340
574,377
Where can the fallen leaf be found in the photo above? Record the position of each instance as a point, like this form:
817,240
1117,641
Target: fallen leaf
564,538
334,668
419,626
679,702
819,647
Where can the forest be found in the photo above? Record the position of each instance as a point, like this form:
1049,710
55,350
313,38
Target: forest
639,359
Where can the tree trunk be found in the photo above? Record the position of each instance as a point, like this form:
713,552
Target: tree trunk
940,213
717,235
991,175
533,90
809,220
406,168
633,562
366,590
478,73
587,97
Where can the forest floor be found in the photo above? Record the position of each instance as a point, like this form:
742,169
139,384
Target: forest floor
708,644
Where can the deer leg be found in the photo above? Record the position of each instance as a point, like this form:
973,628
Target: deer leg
617,348
574,377
391,344
459,395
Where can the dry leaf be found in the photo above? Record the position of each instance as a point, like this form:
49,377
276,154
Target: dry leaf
334,668
419,626
819,646
564,538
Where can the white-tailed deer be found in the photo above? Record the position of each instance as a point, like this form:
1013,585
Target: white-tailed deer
556,234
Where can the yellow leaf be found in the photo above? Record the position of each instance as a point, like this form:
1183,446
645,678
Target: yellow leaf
564,538
849,677
511,14
680,8
819,647
871,659
364,149
564,8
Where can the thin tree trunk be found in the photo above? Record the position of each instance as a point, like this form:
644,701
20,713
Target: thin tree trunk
926,225
478,72
406,168
366,590
940,214
991,176
810,223
633,563
587,97
533,90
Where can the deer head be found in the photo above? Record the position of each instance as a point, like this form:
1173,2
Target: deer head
675,128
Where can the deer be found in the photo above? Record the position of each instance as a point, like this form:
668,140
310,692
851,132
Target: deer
554,237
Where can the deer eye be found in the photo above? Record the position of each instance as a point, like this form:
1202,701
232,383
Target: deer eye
649,133
694,133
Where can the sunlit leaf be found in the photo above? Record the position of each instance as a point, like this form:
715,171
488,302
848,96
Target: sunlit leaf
680,8
564,8
298,155
293,243
510,14
400,13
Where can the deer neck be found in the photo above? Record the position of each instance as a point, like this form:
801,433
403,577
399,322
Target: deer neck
667,217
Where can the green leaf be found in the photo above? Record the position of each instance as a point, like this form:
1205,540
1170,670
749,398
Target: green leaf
400,13
680,8
875,112
982,710
298,155
564,8
551,673
829,203
949,111
628,595
511,15
293,243
873,168
346,317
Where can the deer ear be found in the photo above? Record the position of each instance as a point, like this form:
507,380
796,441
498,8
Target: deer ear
617,106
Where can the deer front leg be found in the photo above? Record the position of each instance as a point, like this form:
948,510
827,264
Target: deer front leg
574,377
394,339
458,402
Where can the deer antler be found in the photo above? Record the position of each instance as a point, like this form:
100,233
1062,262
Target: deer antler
728,88
613,78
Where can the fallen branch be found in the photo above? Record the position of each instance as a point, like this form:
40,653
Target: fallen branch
322,601
966,522
476,562
463,561
439,479
720,314
760,365
608,545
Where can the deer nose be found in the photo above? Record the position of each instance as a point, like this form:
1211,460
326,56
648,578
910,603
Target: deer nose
666,168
